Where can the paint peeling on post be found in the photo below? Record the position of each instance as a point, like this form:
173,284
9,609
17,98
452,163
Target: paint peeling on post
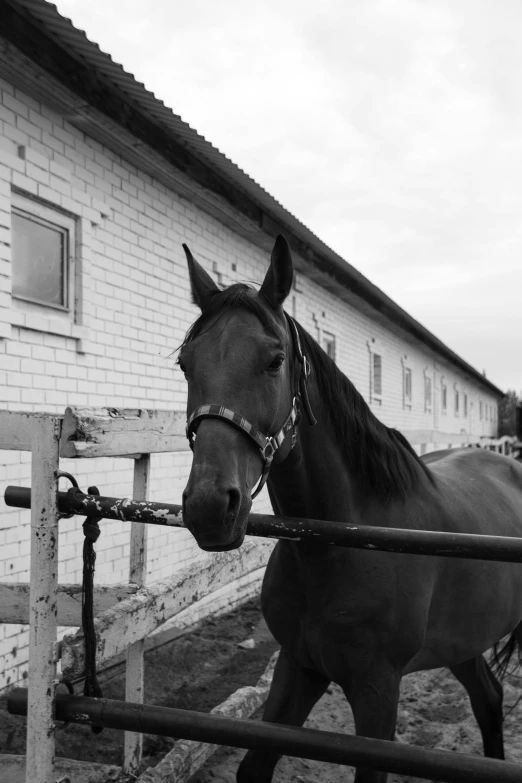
134,670
43,599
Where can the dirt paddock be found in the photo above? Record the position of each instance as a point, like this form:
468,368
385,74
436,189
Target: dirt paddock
200,669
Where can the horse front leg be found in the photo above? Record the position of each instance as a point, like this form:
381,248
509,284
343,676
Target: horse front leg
374,698
293,693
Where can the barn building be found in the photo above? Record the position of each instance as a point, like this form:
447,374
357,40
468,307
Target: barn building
100,184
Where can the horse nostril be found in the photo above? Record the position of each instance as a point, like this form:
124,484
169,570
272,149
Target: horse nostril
234,502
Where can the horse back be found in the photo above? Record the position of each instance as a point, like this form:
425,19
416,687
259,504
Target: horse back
477,491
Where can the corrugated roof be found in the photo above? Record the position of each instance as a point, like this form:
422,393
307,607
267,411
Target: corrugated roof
75,42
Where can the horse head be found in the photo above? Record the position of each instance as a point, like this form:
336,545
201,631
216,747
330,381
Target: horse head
238,359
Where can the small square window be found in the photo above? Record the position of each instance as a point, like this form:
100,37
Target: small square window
328,341
42,255
407,386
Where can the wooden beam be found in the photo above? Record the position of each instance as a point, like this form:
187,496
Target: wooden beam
135,663
14,601
118,432
134,619
17,429
45,462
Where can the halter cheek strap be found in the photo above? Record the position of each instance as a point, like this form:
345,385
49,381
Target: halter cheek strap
268,444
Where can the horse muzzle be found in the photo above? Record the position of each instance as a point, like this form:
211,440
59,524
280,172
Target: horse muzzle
215,516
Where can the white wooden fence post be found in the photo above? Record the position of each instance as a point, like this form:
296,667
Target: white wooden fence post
43,599
133,742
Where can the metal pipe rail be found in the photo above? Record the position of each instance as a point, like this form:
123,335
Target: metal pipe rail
420,542
303,743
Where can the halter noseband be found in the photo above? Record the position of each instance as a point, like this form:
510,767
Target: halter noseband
268,444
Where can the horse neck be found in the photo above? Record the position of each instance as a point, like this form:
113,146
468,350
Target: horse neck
316,481
313,481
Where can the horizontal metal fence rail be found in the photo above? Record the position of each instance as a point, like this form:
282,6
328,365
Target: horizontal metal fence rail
303,743
420,542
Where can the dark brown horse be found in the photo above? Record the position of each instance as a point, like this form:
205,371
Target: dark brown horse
359,618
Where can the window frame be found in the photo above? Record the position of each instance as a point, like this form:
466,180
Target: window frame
407,398
328,339
47,216
444,397
376,395
428,392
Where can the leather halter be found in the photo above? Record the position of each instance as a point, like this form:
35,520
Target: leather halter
268,444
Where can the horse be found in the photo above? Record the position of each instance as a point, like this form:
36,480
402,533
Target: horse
362,619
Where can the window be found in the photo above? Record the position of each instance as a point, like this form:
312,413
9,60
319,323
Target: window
465,405
375,352
407,389
456,402
444,396
427,392
481,410
297,283
328,343
43,243
376,375
487,407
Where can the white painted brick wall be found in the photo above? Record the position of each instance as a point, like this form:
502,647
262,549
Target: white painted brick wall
135,309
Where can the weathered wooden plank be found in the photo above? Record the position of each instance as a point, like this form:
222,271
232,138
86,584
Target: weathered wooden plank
187,756
14,601
43,591
214,605
114,432
135,618
134,669
17,428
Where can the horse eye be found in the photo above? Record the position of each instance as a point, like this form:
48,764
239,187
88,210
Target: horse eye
277,363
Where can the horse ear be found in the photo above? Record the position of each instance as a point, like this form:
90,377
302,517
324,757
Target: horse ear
202,286
278,281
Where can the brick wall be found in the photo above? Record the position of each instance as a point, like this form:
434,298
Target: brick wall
133,309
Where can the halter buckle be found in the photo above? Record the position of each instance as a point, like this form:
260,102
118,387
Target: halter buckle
269,449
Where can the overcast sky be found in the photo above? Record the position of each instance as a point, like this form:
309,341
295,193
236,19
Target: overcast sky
392,129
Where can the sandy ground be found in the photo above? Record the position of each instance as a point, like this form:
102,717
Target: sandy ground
434,712
200,669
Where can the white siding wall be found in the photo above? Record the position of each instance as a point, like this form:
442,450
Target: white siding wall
134,309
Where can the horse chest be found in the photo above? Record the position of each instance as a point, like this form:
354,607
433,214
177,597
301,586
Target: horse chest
323,612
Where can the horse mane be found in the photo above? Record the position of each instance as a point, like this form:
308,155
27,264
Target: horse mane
373,452
379,455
